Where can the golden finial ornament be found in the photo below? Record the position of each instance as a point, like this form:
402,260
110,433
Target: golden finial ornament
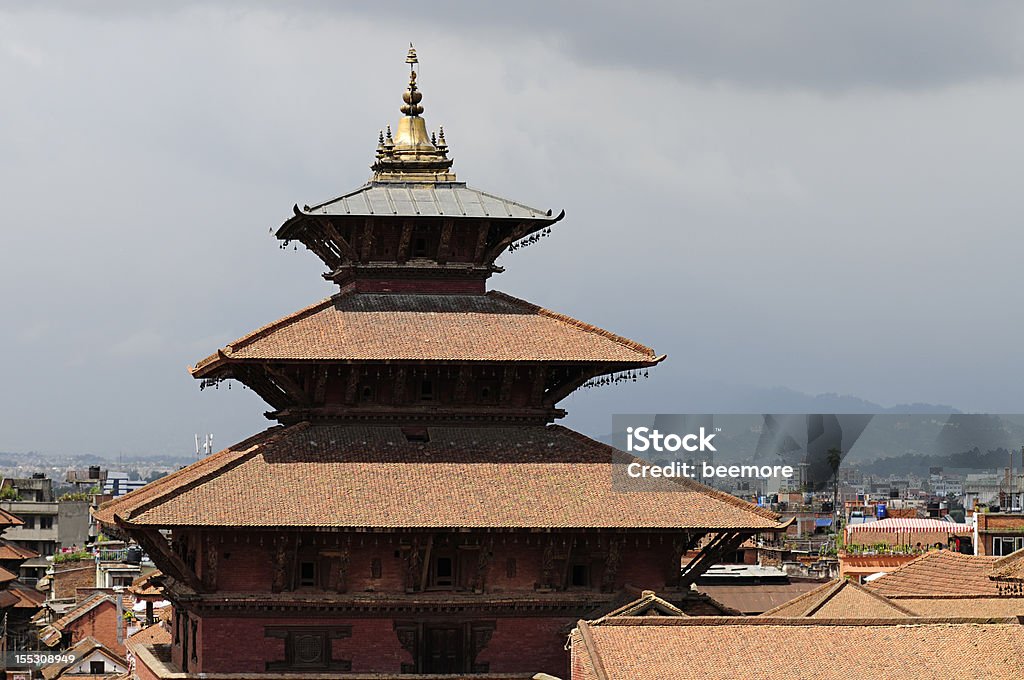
413,155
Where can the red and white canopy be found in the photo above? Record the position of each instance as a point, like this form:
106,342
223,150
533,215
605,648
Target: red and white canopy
908,525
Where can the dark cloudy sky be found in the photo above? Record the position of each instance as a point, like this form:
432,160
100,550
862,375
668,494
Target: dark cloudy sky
790,195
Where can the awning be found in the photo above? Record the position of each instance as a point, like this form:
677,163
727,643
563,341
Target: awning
140,606
822,521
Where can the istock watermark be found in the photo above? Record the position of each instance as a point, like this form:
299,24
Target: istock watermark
758,455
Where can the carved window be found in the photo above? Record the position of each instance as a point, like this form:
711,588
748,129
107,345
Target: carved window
510,567
375,568
308,649
442,571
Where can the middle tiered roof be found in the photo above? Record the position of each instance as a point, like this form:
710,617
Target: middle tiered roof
494,327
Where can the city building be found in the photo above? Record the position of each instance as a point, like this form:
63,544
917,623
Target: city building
48,524
415,510
92,659
997,533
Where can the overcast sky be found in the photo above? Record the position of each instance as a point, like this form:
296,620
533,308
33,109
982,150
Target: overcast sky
801,195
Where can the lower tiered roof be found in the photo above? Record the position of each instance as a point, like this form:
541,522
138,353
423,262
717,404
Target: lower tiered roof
387,477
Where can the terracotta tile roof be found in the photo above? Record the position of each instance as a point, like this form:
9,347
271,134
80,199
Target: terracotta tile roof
8,599
940,572
8,519
157,634
378,327
372,476
840,599
6,576
698,648
1009,567
81,609
28,598
12,551
648,604
85,647
975,606
148,585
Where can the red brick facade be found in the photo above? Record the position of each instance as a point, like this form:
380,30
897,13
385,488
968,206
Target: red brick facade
101,623
514,598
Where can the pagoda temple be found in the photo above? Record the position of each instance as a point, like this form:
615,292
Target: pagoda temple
415,510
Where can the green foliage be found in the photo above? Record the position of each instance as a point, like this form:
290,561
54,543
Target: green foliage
9,493
74,496
72,556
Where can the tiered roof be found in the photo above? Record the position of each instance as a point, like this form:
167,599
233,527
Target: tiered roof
388,327
451,199
474,477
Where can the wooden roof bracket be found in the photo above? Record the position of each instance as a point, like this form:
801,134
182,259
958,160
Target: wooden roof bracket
155,545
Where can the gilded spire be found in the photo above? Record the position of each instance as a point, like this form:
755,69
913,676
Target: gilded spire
412,155
412,97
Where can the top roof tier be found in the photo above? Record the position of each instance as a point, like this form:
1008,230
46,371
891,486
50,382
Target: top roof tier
413,223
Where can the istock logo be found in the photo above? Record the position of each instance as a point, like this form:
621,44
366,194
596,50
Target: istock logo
645,439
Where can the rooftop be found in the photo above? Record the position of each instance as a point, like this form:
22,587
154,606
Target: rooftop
672,648
940,572
389,327
472,477
840,599
449,199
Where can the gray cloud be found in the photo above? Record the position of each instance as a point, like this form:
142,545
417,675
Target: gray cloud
766,200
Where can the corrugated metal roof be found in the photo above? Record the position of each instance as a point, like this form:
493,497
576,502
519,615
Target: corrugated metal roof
442,199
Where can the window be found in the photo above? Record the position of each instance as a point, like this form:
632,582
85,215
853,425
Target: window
97,668
488,391
443,572
308,649
580,576
307,573
45,522
375,568
510,567
123,580
1004,545
427,390
30,522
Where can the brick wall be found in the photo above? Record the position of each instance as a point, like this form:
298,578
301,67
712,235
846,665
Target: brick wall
68,577
527,644
514,563
100,622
